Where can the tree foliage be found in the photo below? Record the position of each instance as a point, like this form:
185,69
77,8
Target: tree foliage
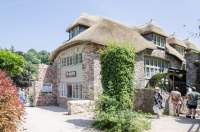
11,62
115,105
11,110
35,57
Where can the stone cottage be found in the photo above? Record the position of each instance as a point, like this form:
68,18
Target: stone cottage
77,63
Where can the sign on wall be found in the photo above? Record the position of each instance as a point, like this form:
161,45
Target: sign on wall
70,74
47,88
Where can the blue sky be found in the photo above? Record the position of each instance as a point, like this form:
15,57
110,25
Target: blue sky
41,24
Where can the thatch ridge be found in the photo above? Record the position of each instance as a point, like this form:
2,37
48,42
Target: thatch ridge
152,27
172,39
191,46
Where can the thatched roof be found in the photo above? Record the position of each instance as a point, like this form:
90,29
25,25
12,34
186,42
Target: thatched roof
173,52
106,30
172,39
101,30
84,19
152,27
191,46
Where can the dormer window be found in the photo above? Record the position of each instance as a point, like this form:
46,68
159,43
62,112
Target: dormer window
76,30
157,39
180,49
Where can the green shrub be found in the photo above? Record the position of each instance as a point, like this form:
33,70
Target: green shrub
110,119
114,107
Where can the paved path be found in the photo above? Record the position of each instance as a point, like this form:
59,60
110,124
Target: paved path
54,119
171,124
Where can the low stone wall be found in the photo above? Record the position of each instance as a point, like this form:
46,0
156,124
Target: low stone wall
62,101
143,100
80,106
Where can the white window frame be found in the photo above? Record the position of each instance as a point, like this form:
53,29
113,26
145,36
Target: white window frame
76,90
155,65
61,89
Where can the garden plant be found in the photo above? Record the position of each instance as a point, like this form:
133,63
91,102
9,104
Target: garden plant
114,109
11,110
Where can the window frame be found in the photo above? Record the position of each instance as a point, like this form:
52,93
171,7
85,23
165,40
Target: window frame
156,65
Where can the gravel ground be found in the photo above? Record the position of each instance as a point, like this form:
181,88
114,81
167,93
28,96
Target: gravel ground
55,119
171,124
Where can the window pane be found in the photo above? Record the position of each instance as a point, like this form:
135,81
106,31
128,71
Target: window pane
156,65
69,91
70,60
67,61
76,59
80,58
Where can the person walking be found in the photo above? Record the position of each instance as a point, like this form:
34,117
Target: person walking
177,101
158,101
192,102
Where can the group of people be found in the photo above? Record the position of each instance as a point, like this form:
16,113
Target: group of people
177,101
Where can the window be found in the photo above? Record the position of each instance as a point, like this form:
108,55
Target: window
61,90
154,65
63,61
157,39
180,49
80,58
76,30
70,90
76,62
70,60
74,91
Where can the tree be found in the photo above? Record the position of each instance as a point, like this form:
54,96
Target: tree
37,57
44,56
29,73
24,79
32,56
12,63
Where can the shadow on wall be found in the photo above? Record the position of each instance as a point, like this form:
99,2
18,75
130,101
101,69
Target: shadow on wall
195,124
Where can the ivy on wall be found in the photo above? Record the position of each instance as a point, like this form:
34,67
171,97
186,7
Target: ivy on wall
114,107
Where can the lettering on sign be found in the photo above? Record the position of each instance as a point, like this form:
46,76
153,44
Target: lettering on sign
70,74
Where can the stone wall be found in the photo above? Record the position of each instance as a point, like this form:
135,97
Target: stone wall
46,74
80,106
91,72
143,100
139,71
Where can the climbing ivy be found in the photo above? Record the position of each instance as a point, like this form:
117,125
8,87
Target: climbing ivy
114,107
